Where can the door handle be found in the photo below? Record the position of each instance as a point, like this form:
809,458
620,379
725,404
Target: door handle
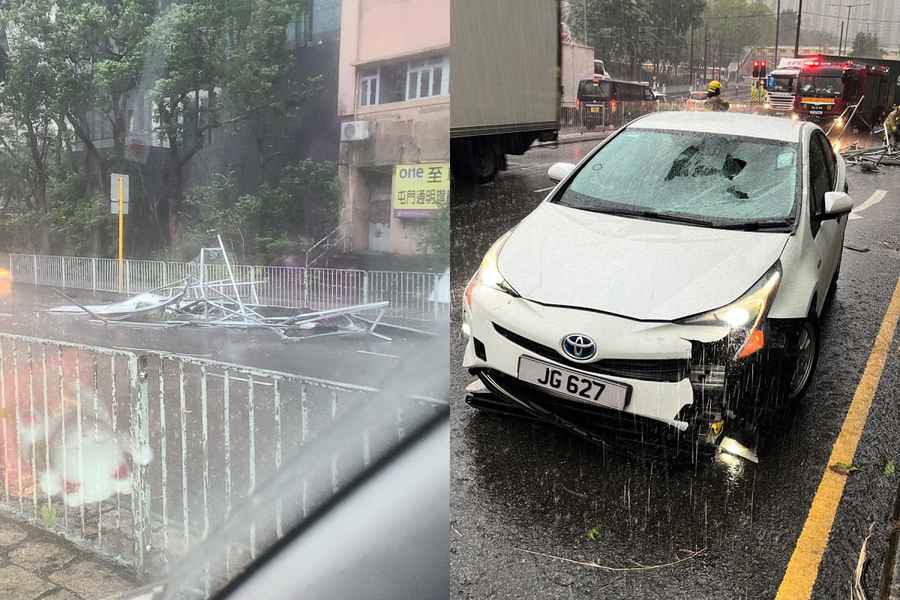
819,264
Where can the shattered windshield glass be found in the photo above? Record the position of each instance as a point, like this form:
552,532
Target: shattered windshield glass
714,179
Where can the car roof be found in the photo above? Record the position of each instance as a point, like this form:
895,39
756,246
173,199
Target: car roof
727,123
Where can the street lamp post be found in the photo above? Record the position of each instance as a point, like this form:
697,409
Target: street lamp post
797,39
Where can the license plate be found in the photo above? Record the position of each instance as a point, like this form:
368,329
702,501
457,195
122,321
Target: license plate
574,385
815,112
595,109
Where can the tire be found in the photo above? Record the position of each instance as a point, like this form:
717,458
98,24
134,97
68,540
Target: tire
803,364
475,160
485,162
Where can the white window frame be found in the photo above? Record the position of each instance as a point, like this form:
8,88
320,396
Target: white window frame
365,87
416,69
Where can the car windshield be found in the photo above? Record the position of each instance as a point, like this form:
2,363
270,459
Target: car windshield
781,83
826,87
714,180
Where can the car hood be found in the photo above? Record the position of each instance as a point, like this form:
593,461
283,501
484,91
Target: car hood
632,267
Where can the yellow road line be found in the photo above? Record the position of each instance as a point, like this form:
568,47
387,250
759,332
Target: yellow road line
803,568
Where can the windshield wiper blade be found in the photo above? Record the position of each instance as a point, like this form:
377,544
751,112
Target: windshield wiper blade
758,225
649,214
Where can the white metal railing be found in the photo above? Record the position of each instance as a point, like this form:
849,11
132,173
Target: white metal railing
409,293
189,440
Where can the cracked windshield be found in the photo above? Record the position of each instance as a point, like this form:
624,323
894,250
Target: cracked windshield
224,297
675,239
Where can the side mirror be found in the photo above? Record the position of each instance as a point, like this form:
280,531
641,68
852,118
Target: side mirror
559,171
837,204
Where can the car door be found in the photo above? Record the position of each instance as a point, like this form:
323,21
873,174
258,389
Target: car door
827,234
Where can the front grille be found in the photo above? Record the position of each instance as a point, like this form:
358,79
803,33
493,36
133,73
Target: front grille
670,370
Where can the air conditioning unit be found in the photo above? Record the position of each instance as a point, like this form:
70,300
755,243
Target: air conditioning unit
354,131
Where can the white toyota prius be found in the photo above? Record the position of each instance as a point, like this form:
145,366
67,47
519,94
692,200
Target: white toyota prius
673,281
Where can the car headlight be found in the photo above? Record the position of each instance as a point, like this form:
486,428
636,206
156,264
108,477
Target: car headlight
488,274
747,314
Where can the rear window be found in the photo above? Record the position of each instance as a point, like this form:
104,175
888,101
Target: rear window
598,90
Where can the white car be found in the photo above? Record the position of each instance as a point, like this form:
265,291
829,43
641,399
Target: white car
673,280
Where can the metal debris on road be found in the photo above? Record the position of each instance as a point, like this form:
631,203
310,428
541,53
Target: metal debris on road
198,302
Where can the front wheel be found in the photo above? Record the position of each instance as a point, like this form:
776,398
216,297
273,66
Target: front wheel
806,347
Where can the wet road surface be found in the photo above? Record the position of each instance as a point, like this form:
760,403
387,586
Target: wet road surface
519,488
358,359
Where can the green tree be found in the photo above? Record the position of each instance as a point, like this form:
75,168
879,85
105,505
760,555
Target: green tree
29,110
630,32
217,64
278,219
735,25
865,45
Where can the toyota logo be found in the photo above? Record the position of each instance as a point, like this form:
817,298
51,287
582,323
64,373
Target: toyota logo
578,346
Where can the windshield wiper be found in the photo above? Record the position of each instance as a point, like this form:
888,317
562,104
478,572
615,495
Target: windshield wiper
649,214
759,225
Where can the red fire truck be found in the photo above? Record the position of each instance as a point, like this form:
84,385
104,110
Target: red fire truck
826,89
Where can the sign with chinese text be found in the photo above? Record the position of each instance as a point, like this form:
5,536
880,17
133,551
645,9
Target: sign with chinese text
420,189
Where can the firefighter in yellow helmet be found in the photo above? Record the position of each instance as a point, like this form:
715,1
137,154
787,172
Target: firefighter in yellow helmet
891,127
714,100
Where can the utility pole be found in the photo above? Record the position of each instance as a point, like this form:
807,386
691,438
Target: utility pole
691,61
777,31
841,42
797,39
705,52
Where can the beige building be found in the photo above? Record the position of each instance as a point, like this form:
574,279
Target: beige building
394,107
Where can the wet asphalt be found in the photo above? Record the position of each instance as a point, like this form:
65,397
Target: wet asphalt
519,488
357,358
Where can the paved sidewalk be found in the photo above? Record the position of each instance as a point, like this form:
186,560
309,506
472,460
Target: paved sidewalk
37,565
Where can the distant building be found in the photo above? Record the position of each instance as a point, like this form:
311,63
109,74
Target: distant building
394,108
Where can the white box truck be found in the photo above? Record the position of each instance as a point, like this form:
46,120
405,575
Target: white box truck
577,64
505,79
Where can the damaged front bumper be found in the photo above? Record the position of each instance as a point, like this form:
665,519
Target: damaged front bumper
686,386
